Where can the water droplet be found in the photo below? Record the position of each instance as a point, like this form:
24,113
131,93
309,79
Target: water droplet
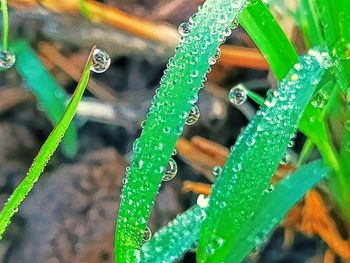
202,201
146,235
269,189
235,24
184,29
238,95
320,100
171,170
100,61
291,144
216,170
285,159
7,59
193,116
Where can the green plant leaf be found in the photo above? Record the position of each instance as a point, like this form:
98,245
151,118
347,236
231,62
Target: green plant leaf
170,107
12,205
264,30
5,24
50,95
271,210
172,241
256,155
309,22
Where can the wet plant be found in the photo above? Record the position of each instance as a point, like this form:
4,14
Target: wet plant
304,99
47,150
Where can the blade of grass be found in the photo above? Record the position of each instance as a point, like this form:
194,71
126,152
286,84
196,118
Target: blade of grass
5,24
177,93
262,27
271,210
310,24
181,235
50,95
255,156
12,205
172,241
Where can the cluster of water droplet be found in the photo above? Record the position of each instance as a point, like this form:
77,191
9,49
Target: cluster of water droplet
7,59
257,152
173,105
172,241
100,61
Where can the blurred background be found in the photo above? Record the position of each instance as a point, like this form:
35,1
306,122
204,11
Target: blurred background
70,215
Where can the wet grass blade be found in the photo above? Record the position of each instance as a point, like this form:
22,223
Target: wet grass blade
5,24
172,241
256,155
181,235
12,205
272,209
170,108
262,27
309,22
50,95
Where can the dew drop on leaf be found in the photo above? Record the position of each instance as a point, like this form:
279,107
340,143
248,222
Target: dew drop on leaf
193,116
146,235
202,201
100,61
171,171
184,29
235,24
216,170
237,95
269,189
7,59
320,100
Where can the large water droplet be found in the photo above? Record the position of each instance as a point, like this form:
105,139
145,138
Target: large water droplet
216,170
171,170
193,116
7,59
235,24
184,29
100,61
146,235
202,201
320,100
237,95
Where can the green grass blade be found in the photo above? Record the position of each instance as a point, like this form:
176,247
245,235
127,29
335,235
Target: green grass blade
172,103
271,210
172,241
262,27
256,155
50,95
309,22
5,24
45,153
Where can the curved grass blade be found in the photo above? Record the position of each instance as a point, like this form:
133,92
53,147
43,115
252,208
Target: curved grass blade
5,24
272,209
256,155
172,241
50,95
262,27
172,103
45,153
